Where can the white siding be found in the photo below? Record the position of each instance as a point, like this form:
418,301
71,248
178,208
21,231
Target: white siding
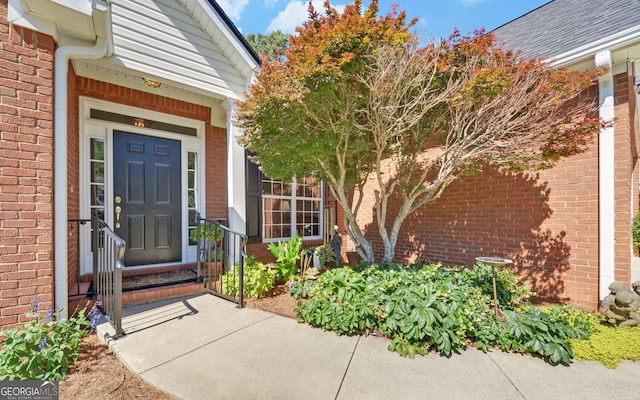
161,38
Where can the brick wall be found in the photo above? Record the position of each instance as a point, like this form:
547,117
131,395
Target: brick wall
546,221
216,172
26,170
624,169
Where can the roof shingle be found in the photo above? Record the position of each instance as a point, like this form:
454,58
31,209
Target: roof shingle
563,25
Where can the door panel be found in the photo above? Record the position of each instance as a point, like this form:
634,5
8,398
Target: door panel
147,180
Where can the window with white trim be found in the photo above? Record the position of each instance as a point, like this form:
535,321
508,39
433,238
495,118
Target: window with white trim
293,207
97,176
192,193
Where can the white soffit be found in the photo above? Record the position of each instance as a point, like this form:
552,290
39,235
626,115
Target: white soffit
65,20
623,46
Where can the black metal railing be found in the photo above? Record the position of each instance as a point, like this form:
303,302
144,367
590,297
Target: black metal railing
108,261
221,254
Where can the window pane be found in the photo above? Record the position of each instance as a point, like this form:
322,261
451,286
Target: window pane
97,172
191,160
266,187
192,242
191,179
277,188
277,218
99,212
97,195
97,149
287,189
191,198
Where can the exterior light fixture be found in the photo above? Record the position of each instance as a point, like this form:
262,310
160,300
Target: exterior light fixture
151,83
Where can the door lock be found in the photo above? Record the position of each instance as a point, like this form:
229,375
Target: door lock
118,211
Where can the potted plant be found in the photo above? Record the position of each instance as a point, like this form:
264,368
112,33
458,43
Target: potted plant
211,251
323,254
209,233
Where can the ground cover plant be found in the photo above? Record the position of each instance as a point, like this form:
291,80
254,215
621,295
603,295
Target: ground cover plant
609,345
424,307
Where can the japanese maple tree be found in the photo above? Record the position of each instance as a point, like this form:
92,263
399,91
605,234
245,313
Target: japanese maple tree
357,99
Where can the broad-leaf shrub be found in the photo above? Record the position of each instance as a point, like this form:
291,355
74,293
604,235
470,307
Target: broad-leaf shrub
259,278
300,288
428,306
45,347
287,255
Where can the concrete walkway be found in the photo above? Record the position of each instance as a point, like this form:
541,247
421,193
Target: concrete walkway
204,347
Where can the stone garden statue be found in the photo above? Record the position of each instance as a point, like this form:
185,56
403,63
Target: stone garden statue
335,243
621,306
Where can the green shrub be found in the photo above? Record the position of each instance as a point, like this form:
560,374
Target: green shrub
540,332
44,348
337,303
609,345
300,288
428,306
259,278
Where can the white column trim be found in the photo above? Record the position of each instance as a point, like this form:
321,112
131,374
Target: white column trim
606,171
237,209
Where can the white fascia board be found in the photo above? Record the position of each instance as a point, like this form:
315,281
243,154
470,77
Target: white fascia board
611,42
69,22
81,6
18,16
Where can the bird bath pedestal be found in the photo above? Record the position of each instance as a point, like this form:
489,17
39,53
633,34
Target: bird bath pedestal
494,262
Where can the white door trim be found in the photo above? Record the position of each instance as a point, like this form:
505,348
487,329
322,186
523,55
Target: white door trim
93,128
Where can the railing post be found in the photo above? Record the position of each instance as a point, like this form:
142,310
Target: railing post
198,249
241,283
117,288
93,225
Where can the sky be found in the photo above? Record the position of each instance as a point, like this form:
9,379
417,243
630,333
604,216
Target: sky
436,18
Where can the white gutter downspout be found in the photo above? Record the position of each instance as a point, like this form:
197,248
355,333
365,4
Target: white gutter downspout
606,171
102,48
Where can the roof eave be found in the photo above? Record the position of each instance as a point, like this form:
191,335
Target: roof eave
612,42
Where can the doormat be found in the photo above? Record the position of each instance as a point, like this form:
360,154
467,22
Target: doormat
148,281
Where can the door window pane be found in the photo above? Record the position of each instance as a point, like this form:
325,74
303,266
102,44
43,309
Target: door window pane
192,193
96,178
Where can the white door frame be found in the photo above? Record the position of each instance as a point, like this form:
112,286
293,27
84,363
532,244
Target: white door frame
94,128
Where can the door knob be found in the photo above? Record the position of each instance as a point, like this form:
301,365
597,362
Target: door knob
118,211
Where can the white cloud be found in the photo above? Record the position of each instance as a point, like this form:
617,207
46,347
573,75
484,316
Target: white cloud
270,3
294,14
233,8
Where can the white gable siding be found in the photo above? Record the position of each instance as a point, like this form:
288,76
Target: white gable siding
214,25
162,39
